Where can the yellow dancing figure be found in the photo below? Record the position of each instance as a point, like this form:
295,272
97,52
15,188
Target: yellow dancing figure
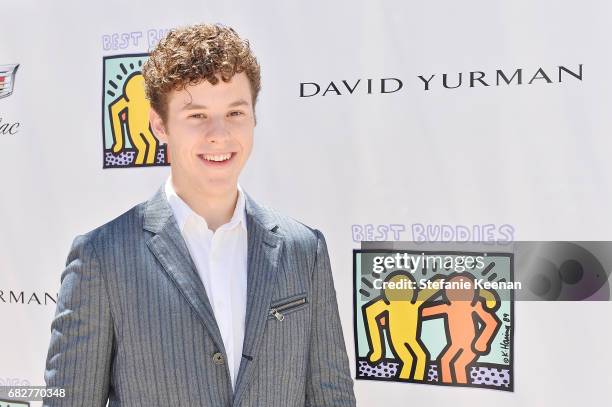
398,309
133,107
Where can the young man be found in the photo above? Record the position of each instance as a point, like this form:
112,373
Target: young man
200,296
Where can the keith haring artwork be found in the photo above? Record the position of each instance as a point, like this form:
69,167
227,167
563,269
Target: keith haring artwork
127,137
440,318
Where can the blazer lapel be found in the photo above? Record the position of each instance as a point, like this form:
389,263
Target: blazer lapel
168,246
263,254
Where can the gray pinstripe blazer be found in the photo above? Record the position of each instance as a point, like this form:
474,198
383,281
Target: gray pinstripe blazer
134,326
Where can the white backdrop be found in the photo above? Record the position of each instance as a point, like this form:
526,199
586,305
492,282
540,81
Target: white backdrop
533,156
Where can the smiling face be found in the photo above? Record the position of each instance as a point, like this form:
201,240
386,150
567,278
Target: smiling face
209,132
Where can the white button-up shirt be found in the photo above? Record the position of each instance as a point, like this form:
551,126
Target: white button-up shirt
221,260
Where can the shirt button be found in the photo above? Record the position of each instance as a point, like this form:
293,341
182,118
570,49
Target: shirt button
218,358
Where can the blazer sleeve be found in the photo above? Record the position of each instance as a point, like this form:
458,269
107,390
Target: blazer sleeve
81,345
328,379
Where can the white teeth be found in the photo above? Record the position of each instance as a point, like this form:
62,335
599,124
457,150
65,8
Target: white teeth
217,157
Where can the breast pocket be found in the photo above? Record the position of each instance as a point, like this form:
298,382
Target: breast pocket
285,306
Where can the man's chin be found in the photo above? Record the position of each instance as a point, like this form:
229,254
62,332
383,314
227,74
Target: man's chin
213,182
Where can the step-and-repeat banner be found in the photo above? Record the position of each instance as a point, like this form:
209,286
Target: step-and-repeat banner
377,121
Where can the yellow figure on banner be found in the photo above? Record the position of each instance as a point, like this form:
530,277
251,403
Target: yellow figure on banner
398,310
132,108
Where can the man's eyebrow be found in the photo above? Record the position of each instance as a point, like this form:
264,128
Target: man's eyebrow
239,102
193,106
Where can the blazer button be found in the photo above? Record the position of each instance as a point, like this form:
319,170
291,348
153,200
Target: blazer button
218,358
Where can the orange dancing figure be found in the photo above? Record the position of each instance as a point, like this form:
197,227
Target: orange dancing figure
463,308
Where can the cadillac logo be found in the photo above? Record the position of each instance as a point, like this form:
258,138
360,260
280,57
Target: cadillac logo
7,79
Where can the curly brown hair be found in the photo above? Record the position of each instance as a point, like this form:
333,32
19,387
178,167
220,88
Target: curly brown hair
190,55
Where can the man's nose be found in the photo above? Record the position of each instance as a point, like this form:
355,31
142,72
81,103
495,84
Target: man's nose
217,131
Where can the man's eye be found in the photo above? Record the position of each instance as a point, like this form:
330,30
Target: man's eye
197,116
236,113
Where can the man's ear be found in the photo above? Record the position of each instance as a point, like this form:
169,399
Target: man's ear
157,126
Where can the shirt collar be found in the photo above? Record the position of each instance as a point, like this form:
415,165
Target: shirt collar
183,213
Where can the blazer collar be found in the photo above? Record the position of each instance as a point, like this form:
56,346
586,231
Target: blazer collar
183,212
157,212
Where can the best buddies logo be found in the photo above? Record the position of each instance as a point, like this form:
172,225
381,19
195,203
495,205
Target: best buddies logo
419,232
439,318
134,40
127,138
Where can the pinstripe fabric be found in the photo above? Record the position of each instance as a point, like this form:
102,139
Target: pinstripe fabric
134,326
